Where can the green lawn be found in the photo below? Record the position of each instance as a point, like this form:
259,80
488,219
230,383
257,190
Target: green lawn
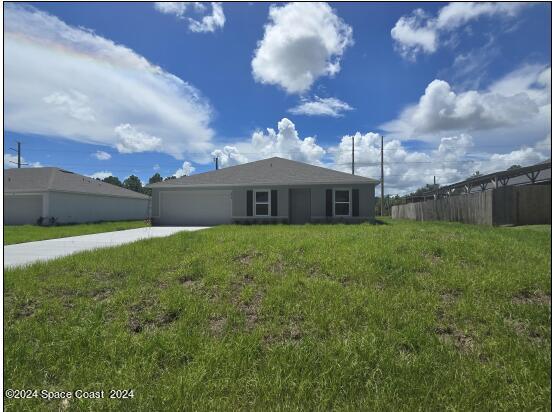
30,233
397,316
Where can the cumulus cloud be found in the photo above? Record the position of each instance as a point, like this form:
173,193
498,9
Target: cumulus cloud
285,142
68,82
132,140
520,98
101,155
100,175
455,158
422,33
329,106
10,161
301,42
186,170
229,156
205,23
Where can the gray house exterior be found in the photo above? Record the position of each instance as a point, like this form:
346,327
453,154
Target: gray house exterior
273,190
48,195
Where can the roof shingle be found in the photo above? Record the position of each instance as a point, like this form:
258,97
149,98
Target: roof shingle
267,172
55,179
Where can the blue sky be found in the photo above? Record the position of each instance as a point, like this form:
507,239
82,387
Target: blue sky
453,88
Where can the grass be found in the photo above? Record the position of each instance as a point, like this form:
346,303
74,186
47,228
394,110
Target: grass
31,233
398,316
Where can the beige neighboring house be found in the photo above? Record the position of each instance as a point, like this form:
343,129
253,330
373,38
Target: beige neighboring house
49,195
265,191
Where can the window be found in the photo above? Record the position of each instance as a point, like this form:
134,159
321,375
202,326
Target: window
342,202
262,203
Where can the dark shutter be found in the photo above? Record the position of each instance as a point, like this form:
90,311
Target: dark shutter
250,203
273,203
329,209
355,202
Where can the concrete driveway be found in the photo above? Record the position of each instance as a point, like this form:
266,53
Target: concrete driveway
30,252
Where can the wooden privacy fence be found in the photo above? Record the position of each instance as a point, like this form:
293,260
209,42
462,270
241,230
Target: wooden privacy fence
507,205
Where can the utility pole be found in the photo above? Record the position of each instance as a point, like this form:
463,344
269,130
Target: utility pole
353,164
18,155
434,181
382,198
216,163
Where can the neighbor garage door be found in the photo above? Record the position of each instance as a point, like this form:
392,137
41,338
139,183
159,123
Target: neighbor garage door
195,207
22,210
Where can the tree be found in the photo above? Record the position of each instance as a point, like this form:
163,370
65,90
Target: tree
156,178
475,174
114,180
170,177
514,167
133,183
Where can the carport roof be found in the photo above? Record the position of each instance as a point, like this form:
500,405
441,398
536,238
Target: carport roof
268,172
41,179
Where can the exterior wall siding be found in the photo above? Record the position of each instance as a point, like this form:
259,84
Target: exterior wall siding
24,209
239,204
82,208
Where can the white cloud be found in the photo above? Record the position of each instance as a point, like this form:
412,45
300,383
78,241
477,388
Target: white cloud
284,143
521,99
156,167
100,175
229,156
421,33
413,35
133,141
207,22
301,42
329,106
454,159
115,86
101,155
178,8
186,170
10,161
73,103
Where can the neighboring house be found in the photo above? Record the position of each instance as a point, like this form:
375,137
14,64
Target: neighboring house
265,191
48,195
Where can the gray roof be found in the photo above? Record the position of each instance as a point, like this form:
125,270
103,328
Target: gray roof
268,172
40,179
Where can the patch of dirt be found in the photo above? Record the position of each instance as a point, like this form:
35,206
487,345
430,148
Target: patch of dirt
135,325
217,325
167,318
101,294
522,328
452,336
138,320
251,310
278,267
246,258
187,281
290,333
26,309
434,257
450,296
536,298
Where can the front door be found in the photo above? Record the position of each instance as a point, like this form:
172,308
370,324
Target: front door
299,206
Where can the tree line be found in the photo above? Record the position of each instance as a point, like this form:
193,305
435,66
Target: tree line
134,183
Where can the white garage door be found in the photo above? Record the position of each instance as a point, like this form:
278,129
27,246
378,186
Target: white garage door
22,210
195,207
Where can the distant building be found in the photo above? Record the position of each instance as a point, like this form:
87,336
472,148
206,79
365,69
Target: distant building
48,195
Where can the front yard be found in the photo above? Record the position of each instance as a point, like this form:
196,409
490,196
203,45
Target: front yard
397,316
31,233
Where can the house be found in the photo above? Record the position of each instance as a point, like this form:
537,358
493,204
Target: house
48,195
265,191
